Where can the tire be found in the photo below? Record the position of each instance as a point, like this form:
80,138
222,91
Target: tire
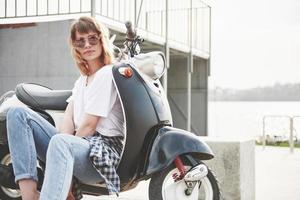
208,190
7,193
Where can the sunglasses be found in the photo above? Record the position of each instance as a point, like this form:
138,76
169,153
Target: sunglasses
92,40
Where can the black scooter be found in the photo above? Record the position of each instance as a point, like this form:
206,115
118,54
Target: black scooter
154,149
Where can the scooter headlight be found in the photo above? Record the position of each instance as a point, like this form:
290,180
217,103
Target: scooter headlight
151,64
159,66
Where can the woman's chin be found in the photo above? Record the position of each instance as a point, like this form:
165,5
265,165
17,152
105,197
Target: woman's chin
90,57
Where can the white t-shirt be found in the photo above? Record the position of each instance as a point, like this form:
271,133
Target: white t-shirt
99,98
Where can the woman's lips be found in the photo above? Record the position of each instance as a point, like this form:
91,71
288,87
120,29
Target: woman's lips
88,52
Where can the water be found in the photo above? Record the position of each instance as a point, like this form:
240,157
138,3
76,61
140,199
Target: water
245,119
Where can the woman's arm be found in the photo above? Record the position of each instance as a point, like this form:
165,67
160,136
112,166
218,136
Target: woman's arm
88,125
67,126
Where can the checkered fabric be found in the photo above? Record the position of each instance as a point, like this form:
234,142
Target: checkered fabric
105,155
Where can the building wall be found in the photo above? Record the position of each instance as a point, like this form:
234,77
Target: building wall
39,54
177,94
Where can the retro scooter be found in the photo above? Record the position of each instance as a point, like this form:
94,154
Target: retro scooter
170,157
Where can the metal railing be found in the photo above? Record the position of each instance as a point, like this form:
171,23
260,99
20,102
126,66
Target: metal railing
153,20
291,128
155,23
41,8
184,17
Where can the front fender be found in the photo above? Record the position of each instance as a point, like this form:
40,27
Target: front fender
170,143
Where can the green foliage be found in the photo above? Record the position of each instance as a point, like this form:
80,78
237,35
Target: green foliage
279,144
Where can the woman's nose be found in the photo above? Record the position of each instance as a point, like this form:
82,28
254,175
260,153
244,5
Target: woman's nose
86,44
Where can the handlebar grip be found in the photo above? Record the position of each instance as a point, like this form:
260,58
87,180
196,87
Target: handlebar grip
130,33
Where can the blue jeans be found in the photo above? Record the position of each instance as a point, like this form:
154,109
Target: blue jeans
30,137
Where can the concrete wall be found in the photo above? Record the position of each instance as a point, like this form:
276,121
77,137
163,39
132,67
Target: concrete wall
38,54
177,94
234,167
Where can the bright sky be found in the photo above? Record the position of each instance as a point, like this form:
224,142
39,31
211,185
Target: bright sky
255,43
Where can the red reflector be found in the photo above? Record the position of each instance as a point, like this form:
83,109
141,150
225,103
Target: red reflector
128,72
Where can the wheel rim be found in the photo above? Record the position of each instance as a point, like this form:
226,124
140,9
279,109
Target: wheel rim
205,189
9,192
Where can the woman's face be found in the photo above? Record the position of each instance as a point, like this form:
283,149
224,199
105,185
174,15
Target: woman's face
88,45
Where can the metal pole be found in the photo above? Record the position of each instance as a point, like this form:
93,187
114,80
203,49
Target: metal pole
16,8
101,10
264,134
80,5
167,49
146,20
162,24
139,14
210,26
93,8
47,7
107,8
119,10
208,70
58,7
291,134
5,8
113,9
135,6
37,8
189,95
190,69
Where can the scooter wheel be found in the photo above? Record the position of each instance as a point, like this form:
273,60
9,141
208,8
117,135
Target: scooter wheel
7,193
161,182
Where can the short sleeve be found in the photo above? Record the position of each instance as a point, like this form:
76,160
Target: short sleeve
74,90
99,94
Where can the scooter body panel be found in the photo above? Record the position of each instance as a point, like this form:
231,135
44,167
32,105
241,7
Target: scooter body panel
141,115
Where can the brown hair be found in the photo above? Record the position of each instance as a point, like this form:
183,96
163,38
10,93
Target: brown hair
86,25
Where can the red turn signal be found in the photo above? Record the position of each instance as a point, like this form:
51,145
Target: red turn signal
126,71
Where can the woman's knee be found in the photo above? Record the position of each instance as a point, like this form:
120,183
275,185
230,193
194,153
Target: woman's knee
59,142
14,112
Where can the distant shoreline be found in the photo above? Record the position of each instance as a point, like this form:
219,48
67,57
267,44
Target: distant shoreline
278,92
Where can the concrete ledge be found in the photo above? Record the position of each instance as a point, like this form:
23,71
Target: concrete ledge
234,166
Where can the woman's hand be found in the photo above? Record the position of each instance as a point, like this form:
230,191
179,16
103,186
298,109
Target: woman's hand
70,196
88,125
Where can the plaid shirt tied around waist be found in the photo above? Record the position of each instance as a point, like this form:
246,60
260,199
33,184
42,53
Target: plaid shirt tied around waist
105,155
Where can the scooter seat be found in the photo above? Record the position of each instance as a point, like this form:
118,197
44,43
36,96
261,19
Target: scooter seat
40,97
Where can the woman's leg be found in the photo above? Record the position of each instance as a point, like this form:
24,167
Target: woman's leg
67,155
28,188
28,137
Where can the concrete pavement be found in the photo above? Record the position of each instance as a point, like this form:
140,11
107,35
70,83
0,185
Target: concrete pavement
277,174
277,177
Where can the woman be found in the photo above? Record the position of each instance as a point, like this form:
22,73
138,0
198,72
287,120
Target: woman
91,136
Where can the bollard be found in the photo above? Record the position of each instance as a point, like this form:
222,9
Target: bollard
291,142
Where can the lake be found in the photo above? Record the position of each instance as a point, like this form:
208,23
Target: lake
245,119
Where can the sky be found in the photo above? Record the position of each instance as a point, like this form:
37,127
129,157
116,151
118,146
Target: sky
255,43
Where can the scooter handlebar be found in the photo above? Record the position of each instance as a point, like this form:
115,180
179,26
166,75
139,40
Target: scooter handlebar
130,33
